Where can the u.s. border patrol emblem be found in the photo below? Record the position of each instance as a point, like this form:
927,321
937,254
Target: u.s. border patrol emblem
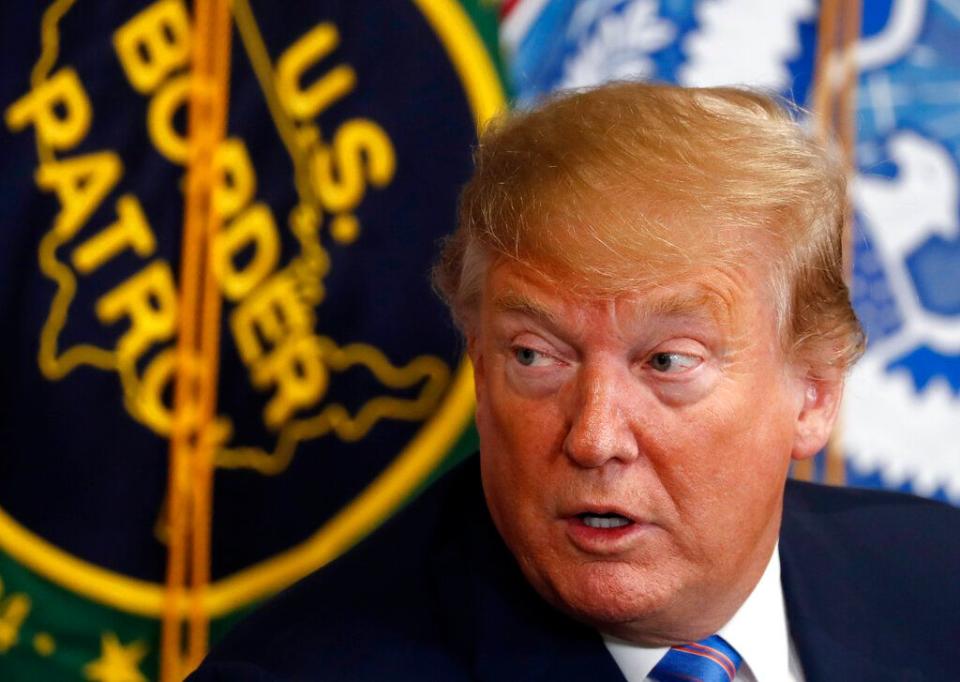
341,385
902,410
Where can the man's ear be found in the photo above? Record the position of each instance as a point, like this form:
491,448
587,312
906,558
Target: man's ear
818,412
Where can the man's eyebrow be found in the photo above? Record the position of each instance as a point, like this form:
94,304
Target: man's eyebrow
697,302
516,302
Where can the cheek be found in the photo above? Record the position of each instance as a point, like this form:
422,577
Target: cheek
750,447
722,457
734,489
514,469
515,421
520,443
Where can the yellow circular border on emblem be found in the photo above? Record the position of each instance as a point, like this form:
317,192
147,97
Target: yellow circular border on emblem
379,499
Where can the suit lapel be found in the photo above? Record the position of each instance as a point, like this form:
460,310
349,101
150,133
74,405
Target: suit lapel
826,658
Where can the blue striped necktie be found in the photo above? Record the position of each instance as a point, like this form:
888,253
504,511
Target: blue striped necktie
709,660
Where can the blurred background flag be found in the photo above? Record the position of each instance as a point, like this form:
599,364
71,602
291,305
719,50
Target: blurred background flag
897,110
222,364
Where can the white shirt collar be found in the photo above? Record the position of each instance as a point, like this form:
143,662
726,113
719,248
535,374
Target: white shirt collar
758,631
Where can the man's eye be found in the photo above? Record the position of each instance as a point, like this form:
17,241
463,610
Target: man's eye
672,362
527,356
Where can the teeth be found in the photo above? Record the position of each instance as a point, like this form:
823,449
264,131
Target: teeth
605,521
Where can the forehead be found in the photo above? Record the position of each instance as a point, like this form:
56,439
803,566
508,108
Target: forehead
714,294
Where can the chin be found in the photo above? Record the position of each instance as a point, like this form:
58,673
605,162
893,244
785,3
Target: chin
608,595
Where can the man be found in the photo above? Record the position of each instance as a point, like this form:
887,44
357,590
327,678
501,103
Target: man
649,279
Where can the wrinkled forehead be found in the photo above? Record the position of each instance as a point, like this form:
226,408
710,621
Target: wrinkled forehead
603,262
706,293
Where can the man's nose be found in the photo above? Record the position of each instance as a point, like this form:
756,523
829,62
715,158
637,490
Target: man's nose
601,426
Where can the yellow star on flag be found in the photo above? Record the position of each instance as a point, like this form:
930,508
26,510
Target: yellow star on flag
117,663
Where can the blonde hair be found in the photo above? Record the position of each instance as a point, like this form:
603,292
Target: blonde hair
606,190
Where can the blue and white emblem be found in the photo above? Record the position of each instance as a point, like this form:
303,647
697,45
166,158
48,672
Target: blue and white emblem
902,414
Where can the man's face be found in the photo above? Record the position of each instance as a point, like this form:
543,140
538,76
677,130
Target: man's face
634,450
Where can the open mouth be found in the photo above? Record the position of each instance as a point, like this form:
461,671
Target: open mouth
609,520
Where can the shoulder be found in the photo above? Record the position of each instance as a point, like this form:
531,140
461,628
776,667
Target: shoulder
869,520
873,534
873,571
375,613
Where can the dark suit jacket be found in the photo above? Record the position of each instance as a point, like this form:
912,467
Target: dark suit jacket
871,580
